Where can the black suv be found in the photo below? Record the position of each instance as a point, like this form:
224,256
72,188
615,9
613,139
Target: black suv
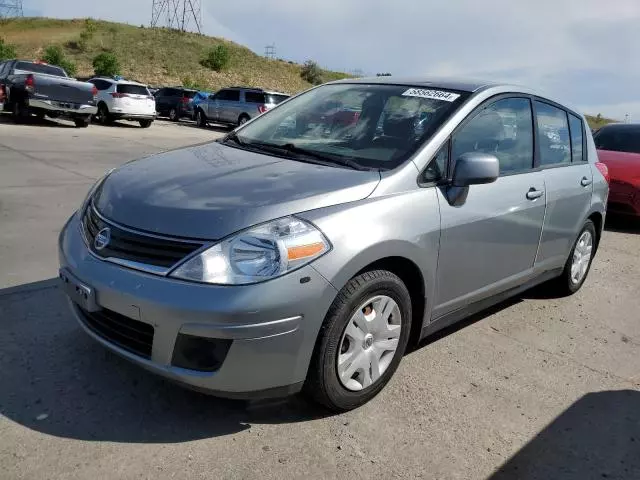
175,102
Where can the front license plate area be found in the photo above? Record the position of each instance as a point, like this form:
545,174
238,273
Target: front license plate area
79,292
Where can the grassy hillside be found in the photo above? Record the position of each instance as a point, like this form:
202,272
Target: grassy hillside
598,121
157,56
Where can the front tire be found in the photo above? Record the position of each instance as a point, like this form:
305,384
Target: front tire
361,342
82,122
173,115
579,262
20,111
104,117
145,123
201,119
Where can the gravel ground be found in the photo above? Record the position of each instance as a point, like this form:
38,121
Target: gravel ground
535,388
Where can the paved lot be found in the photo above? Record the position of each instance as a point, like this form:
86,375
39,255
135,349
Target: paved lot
537,388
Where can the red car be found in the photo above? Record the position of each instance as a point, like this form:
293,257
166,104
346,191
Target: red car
619,148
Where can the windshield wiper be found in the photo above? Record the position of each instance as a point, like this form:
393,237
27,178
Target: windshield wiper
233,137
322,158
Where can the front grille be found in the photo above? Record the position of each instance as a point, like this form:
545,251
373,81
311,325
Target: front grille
131,335
133,246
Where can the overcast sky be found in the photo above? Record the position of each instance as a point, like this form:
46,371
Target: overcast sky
582,51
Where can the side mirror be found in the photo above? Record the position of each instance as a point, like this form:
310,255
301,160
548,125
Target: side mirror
475,168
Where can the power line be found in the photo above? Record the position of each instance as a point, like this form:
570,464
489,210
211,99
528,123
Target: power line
11,8
182,15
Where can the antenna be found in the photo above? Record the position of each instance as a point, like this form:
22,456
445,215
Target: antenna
11,8
182,15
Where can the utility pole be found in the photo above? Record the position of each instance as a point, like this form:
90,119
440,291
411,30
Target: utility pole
182,15
11,8
270,51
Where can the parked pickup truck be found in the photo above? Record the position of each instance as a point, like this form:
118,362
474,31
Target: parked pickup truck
28,88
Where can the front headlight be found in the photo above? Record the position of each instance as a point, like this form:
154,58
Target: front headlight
257,254
92,191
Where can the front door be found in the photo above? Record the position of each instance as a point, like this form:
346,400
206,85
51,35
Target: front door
568,179
489,241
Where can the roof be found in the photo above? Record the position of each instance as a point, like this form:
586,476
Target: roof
273,92
461,84
118,80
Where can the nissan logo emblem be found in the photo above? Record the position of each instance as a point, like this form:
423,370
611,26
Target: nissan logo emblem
102,238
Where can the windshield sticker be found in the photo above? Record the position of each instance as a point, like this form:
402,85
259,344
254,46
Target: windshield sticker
434,94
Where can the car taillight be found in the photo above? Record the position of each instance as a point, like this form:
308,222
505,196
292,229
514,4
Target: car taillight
94,92
3,93
29,83
262,108
604,170
185,100
118,95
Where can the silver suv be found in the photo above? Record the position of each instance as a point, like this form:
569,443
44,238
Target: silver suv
236,105
306,249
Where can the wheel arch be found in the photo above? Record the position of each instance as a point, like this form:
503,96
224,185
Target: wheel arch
412,277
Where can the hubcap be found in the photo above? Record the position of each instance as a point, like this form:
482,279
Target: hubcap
581,257
369,343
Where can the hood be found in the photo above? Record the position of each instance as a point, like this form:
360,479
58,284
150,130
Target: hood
210,191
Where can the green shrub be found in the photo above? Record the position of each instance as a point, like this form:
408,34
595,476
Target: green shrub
7,51
106,64
217,58
53,55
311,72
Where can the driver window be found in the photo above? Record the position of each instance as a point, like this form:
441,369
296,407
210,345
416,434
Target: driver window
503,129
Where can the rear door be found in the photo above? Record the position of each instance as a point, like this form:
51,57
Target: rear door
568,180
161,100
228,105
489,241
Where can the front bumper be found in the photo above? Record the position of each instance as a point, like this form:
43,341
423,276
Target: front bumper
272,326
67,108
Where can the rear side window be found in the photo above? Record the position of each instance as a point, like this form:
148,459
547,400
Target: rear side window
101,84
504,129
553,130
132,89
3,67
40,68
575,127
254,97
618,139
229,95
275,99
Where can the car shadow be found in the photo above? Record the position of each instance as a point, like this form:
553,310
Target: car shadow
36,121
596,437
56,380
191,124
622,224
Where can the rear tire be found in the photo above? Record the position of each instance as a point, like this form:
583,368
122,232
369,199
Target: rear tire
345,390
82,122
577,267
173,115
244,118
19,110
145,123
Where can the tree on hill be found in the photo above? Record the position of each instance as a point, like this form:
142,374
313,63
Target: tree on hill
7,51
53,55
311,72
106,65
217,58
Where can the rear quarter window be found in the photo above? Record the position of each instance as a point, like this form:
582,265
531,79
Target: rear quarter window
254,97
275,99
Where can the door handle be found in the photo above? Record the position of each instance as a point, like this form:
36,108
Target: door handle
585,182
532,194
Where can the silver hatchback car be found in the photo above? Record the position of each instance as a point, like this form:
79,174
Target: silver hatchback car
307,248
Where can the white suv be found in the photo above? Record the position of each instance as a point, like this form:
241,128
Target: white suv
124,100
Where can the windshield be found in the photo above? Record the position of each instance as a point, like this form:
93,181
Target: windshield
132,89
367,125
40,68
618,139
